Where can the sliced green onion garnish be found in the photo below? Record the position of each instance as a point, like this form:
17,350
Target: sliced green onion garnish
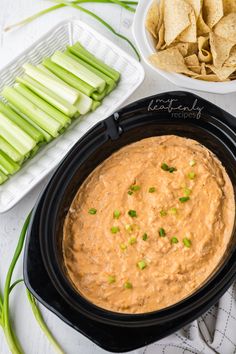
142,264
111,279
128,285
187,192
165,167
130,192
92,211
152,190
135,187
163,213
132,213
145,236
174,240
183,199
172,169
115,229
162,232
192,163
173,211
191,175
132,240
123,246
116,214
187,242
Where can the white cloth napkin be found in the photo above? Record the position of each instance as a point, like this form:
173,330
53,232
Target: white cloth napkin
214,332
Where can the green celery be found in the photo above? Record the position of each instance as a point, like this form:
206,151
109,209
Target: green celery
95,105
63,90
10,151
110,82
69,78
99,96
47,137
78,50
3,177
49,96
78,70
8,166
24,125
16,137
45,121
84,103
46,107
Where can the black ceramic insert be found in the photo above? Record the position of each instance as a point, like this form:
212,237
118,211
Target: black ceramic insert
178,113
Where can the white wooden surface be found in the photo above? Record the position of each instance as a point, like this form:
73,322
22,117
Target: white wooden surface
11,44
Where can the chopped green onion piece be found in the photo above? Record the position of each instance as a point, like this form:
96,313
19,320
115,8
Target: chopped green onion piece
187,192
152,190
145,236
123,246
165,167
142,264
191,175
130,192
132,240
128,285
183,199
174,240
116,214
135,188
92,211
172,169
115,229
132,213
192,163
187,242
173,211
111,279
163,213
162,232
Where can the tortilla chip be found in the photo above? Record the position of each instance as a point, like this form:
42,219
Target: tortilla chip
204,54
203,69
229,6
170,60
176,19
196,5
195,69
211,77
212,11
231,61
190,33
202,27
192,48
220,49
152,19
161,35
192,60
224,72
226,28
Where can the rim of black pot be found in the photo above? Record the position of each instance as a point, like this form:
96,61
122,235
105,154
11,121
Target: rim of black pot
157,111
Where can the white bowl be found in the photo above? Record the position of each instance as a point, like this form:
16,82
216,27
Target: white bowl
146,47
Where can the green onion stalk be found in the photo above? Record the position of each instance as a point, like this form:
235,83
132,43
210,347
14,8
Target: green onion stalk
5,320
128,5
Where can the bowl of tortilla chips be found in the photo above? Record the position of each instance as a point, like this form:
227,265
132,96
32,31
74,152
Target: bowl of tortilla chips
192,43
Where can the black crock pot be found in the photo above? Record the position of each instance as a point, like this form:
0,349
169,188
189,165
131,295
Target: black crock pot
178,113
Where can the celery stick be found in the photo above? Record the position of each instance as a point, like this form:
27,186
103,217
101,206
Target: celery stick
26,126
69,78
10,151
3,177
99,96
89,58
46,107
8,166
110,82
95,105
49,96
78,70
84,104
16,137
61,89
45,121
47,137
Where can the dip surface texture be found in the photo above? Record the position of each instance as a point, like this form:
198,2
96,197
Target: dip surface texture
149,225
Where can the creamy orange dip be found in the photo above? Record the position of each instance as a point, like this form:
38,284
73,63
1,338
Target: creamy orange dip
149,225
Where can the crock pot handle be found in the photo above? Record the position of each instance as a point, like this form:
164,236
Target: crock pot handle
174,105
